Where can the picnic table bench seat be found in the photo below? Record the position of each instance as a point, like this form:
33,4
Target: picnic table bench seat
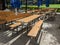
35,29
35,33
15,25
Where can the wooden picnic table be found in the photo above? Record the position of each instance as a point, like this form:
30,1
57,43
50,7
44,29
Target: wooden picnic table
25,20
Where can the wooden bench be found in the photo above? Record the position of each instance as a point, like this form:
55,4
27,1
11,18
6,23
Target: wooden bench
14,26
35,30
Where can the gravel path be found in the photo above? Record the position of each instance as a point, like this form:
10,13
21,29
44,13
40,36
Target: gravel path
51,35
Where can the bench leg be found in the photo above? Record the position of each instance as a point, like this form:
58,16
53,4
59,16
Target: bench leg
17,31
39,38
33,22
34,41
13,31
28,42
27,28
3,27
31,41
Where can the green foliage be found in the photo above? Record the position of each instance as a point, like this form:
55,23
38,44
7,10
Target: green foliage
58,10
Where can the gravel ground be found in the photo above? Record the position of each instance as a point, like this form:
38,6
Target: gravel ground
51,35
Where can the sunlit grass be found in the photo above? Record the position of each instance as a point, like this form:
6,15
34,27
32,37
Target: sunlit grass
43,6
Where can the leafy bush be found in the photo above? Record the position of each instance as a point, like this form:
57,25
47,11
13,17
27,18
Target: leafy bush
58,10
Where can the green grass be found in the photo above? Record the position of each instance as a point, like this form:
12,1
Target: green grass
43,6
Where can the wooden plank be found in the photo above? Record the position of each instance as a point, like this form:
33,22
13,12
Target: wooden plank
30,18
34,31
14,25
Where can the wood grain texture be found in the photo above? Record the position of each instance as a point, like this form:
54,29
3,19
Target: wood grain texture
15,25
30,18
35,29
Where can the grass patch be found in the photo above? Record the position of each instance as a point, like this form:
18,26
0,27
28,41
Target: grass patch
43,6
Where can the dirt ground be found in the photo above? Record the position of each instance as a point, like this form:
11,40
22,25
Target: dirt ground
51,35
